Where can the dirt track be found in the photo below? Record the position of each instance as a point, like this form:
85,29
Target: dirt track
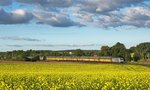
147,64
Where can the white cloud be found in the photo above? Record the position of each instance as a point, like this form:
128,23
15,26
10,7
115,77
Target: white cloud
135,16
104,6
15,17
19,12
54,19
84,16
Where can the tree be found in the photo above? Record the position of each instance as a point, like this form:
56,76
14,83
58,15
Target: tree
119,50
143,50
127,56
78,52
136,57
105,51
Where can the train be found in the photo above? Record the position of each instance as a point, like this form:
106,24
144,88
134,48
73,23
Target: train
87,59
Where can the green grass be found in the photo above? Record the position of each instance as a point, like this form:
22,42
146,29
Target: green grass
73,76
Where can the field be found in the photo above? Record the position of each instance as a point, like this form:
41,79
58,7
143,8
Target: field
73,76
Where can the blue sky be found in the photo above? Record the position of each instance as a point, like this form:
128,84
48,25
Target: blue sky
84,24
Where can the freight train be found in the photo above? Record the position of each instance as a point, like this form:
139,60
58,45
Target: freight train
91,59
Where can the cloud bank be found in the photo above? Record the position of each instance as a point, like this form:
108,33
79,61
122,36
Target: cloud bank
16,38
54,45
67,13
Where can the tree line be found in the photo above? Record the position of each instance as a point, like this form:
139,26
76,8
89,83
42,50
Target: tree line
34,55
139,52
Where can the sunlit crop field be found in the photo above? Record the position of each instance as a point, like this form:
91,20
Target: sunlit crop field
73,76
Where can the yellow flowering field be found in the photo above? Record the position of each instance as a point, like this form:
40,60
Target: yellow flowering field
73,76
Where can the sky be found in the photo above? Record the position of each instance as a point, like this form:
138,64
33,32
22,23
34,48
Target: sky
72,24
